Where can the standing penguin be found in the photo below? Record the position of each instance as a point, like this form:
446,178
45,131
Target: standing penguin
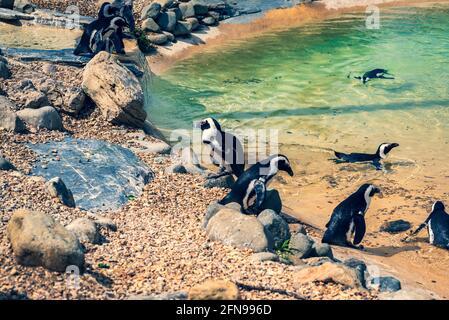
381,153
110,39
437,226
106,13
349,218
226,149
250,188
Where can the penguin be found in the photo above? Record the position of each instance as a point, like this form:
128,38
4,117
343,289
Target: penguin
381,153
110,38
226,149
106,13
126,12
348,218
250,188
437,224
373,74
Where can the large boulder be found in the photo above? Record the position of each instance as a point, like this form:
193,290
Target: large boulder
8,118
201,8
57,189
167,21
46,117
328,272
115,90
214,290
236,229
274,224
38,240
212,209
157,38
5,73
187,10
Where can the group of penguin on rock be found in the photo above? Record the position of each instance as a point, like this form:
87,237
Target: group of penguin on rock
106,33
346,226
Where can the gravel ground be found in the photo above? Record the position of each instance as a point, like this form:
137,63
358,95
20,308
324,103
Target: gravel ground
159,247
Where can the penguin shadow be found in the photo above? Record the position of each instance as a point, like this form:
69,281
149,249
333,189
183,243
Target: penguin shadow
101,278
389,251
191,39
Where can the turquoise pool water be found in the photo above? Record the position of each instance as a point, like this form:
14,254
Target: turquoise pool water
296,81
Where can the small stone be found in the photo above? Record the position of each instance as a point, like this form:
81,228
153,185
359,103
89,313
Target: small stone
223,182
395,226
149,25
36,99
360,267
4,71
209,21
46,117
106,223
176,168
85,230
48,68
75,101
317,261
170,36
214,290
386,284
57,188
157,38
5,165
300,245
264,256
321,250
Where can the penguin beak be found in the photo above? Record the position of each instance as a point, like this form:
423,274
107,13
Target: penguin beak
289,171
394,145
379,192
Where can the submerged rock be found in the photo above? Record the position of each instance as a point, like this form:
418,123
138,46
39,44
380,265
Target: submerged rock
101,176
38,240
395,226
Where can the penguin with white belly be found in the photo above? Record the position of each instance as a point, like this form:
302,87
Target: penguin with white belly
375,159
348,218
250,188
437,224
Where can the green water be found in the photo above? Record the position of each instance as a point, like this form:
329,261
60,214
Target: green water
296,81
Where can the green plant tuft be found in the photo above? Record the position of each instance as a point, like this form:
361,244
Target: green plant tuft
142,41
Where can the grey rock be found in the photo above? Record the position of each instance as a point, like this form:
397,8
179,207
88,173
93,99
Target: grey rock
272,201
209,21
182,28
223,182
38,240
75,101
105,223
26,84
176,168
167,21
149,25
36,99
187,10
5,73
317,261
48,68
85,230
275,225
24,6
234,206
177,11
102,176
5,165
180,295
193,23
46,117
386,284
57,189
215,15
158,147
321,250
151,11
200,8
170,36
8,118
395,226
360,268
264,256
115,90
300,245
165,4
212,209
238,230
157,38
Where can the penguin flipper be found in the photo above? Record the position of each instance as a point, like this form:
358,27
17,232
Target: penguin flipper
377,165
360,228
259,189
118,43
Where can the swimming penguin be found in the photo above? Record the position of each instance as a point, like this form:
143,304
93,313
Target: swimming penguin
109,39
373,74
226,149
437,226
348,218
381,153
250,188
106,13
